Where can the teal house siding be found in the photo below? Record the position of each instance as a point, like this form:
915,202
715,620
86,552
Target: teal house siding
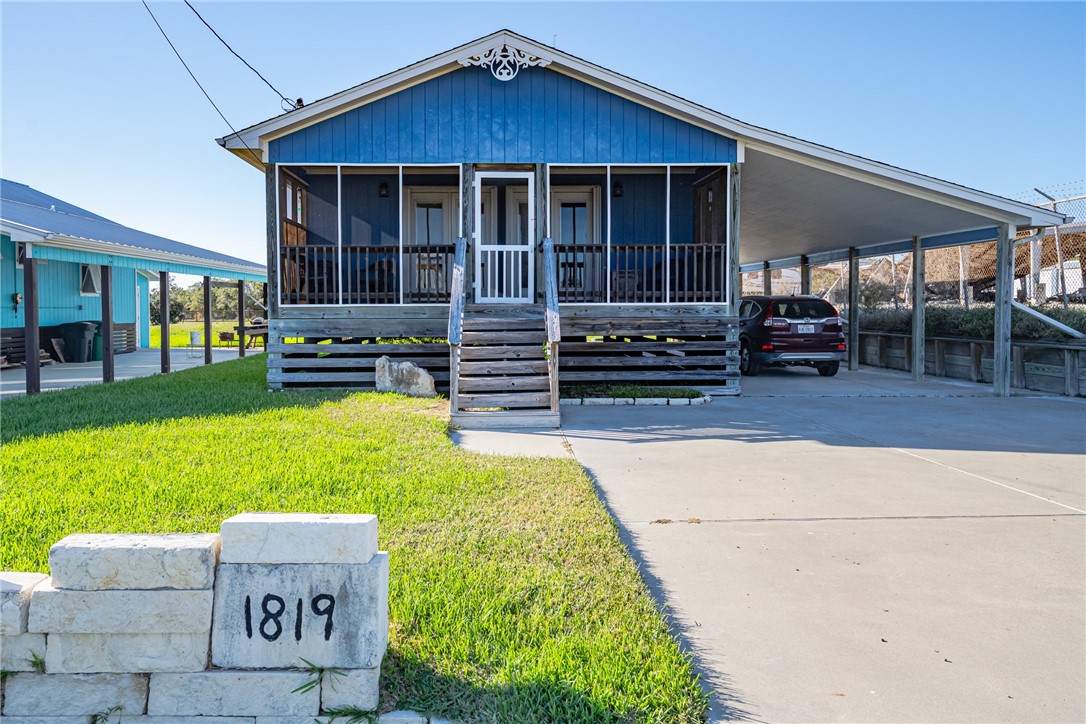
469,116
59,300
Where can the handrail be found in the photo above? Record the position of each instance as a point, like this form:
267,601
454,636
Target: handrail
550,283
456,320
456,292
553,318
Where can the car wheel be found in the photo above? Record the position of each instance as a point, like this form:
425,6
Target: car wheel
747,364
829,369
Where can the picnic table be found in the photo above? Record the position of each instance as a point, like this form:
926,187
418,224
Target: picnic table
256,331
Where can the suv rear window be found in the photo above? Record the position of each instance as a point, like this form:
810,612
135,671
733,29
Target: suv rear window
803,308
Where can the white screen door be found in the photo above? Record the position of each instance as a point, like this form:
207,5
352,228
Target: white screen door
504,262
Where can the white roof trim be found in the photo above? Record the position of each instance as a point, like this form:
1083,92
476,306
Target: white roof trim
21,232
911,183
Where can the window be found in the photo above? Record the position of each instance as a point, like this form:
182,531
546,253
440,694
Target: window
20,254
573,228
90,280
429,223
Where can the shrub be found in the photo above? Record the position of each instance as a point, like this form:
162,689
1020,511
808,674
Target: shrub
978,322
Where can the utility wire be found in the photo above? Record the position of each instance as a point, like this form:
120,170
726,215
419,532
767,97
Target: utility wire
201,87
286,101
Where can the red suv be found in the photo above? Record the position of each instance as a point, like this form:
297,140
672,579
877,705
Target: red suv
789,331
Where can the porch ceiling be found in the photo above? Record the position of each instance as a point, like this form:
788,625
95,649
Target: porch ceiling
789,208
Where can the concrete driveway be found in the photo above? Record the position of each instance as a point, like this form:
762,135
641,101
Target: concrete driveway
897,553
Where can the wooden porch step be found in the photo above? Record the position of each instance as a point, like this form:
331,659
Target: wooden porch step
501,352
503,367
507,399
505,384
509,324
503,419
501,337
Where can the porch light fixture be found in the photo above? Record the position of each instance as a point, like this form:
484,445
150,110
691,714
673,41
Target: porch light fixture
618,190
382,190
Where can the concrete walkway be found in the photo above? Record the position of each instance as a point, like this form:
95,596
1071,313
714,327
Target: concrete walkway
859,548
141,363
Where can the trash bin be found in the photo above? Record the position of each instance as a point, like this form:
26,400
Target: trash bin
194,339
96,346
78,338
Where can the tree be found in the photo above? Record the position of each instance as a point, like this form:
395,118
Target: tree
177,306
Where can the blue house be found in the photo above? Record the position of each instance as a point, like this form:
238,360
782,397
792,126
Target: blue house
555,222
76,260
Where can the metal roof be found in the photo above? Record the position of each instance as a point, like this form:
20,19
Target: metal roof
52,219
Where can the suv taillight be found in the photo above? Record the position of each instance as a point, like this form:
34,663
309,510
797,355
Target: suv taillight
832,322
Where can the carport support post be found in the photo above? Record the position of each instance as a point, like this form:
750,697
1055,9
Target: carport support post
164,320
241,317
804,275
108,374
853,309
918,311
31,341
767,279
267,315
207,320
1004,290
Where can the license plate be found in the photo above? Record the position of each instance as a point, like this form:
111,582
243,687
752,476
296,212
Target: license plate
805,328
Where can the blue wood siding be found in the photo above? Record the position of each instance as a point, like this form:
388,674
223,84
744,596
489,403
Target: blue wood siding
144,285
59,300
468,116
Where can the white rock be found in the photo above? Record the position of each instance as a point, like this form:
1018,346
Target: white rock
406,378
17,651
402,717
233,693
624,400
599,401
126,653
270,636
570,401
299,538
15,591
678,401
111,562
359,688
151,719
55,611
701,400
58,719
50,694
651,401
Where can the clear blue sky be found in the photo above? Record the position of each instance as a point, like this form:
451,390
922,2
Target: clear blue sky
98,111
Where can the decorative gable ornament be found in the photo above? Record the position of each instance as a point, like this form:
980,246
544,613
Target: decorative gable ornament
505,61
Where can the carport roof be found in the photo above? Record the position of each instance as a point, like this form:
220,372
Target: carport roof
29,215
798,197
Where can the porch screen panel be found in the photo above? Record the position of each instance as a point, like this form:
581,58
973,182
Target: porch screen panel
638,264
309,260
371,241
698,254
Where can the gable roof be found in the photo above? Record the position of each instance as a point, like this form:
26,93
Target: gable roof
35,216
252,143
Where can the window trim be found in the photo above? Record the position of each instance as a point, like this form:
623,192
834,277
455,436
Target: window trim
84,270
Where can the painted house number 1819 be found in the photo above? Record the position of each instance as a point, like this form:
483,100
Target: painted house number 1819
272,608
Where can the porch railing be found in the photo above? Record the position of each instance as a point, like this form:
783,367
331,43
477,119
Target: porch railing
641,273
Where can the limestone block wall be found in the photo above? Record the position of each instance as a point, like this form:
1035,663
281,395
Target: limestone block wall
163,628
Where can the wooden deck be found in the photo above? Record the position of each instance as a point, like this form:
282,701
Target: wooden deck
635,344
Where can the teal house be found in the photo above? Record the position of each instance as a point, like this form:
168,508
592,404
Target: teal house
78,259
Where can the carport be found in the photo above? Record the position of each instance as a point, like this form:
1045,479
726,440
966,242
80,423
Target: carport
803,204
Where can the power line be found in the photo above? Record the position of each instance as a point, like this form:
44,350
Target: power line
195,80
285,100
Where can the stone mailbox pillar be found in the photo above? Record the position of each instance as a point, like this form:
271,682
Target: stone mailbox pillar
299,587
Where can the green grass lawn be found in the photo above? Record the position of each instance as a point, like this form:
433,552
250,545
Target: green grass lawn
179,333
511,596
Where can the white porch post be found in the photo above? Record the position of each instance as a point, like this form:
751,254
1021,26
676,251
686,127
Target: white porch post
1004,290
735,286
918,311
